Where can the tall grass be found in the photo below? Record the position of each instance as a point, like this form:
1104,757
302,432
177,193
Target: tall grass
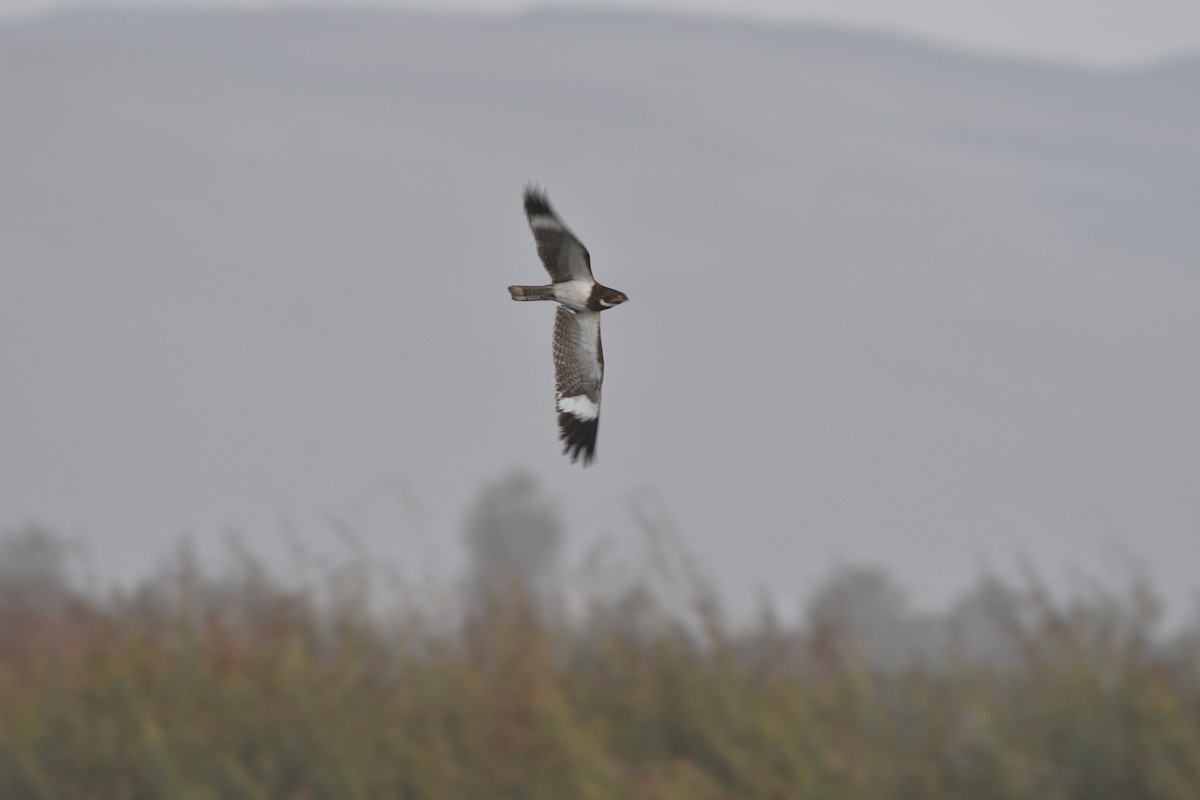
257,691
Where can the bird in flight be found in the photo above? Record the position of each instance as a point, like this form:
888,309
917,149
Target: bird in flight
578,356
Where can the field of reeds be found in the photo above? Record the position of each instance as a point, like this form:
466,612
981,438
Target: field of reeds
195,689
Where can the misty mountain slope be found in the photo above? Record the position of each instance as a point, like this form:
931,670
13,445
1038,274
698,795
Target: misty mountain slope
887,301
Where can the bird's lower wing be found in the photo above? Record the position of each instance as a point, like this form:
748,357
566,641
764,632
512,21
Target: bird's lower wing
578,374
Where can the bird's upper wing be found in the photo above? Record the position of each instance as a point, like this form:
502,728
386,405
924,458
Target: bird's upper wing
578,373
564,256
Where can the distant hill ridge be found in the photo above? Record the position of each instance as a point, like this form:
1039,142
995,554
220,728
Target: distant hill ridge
113,19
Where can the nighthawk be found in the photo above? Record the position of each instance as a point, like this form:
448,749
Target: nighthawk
578,356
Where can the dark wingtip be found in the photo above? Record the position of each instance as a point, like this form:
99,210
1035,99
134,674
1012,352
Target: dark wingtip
579,437
536,201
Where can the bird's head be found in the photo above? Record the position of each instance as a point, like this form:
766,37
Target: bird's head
604,297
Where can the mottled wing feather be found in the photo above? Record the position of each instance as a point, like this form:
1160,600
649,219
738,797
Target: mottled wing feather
578,374
564,256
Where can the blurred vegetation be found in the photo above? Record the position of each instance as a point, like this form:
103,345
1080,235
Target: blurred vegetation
241,686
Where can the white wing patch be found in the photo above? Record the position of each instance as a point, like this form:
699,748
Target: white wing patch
545,221
580,406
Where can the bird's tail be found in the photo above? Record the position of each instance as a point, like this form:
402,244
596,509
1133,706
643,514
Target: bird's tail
531,292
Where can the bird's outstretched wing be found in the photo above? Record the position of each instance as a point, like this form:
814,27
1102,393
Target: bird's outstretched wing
578,373
564,256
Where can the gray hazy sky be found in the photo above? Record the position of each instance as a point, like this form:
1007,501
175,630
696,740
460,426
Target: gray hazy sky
253,282
1099,32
